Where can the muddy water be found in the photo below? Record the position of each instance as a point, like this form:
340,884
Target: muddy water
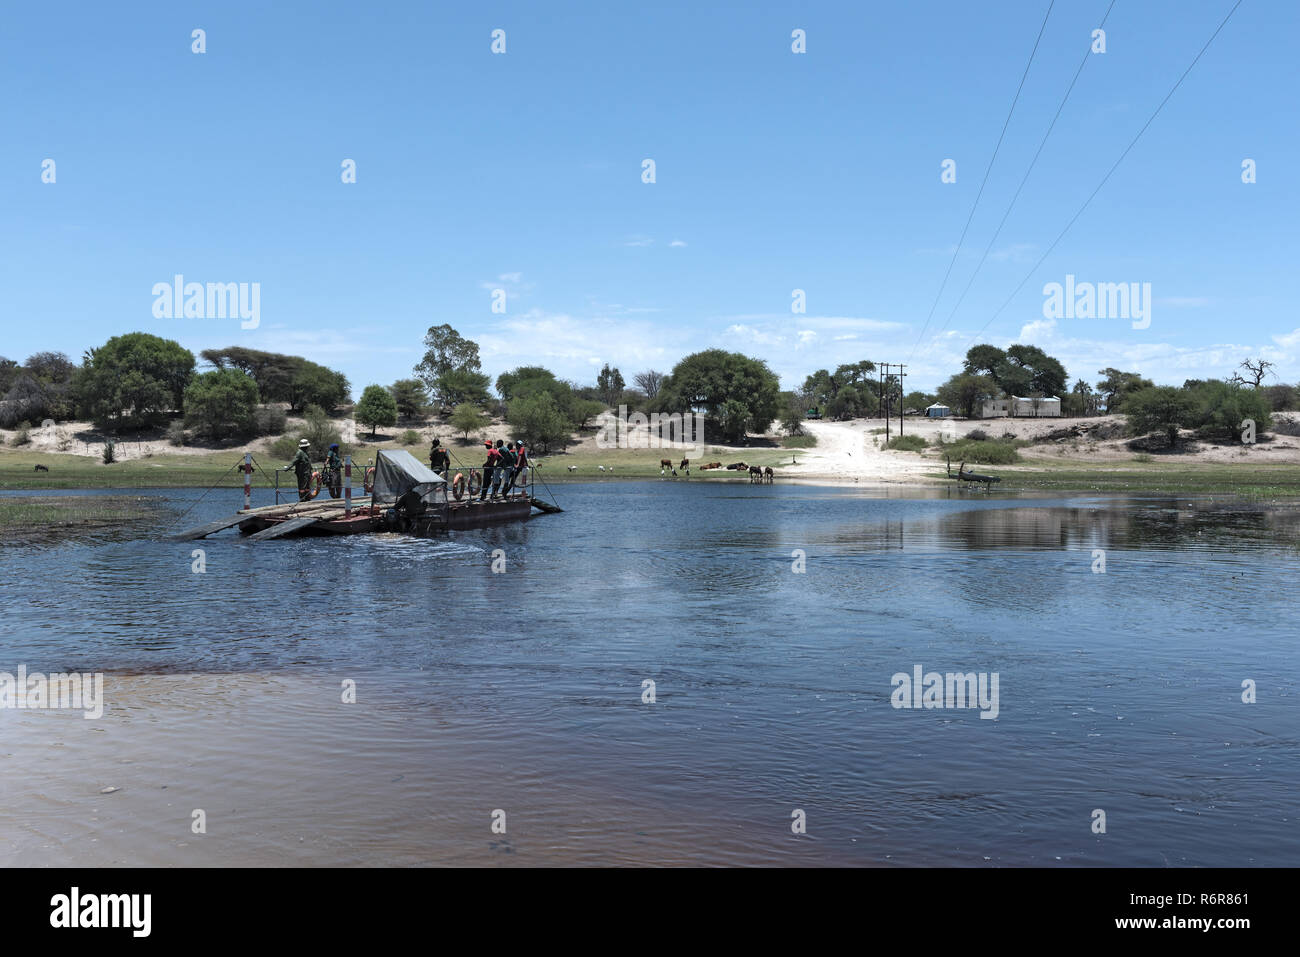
522,692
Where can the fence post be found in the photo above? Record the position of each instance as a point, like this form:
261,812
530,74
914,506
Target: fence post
248,480
347,486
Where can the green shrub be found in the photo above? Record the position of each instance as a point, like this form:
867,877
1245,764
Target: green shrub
284,446
109,454
806,441
23,436
977,435
987,452
410,437
177,435
907,443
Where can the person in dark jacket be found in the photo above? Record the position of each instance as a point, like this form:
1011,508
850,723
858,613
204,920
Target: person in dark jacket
506,470
301,465
439,460
489,468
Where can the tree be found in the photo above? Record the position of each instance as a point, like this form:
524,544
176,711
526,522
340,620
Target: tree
967,392
706,381
410,397
467,418
377,407
462,385
1046,375
984,360
284,378
27,400
1115,385
1159,409
610,385
312,384
1223,407
9,372
525,379
1281,398
1255,372
133,380
649,382
446,352
919,401
221,403
538,421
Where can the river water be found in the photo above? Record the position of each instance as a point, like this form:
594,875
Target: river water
770,619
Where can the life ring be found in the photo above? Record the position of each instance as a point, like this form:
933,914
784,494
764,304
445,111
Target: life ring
314,485
458,486
475,482
368,480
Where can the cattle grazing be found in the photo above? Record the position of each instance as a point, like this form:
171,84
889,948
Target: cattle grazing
755,474
573,468
685,466
768,474
665,465
41,468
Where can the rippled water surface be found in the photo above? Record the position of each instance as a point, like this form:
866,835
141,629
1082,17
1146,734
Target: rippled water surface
522,691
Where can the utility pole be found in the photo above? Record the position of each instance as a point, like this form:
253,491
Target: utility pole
884,388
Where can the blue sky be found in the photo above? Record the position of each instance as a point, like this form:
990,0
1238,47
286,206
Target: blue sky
775,171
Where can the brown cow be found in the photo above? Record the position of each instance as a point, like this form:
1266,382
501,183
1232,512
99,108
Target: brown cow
737,466
755,474
768,474
665,465
711,465
685,466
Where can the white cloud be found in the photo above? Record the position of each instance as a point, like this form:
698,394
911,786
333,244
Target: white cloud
636,240
677,242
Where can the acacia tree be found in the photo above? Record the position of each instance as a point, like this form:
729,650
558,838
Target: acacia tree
451,369
1255,372
133,380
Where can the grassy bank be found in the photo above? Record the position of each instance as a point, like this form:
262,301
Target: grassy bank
30,518
1257,481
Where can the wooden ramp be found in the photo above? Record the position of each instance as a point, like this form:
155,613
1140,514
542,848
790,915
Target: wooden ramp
545,506
205,530
284,528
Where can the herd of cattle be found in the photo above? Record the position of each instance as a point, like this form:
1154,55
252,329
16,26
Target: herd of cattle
756,474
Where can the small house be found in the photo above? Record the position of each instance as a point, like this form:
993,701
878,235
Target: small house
1019,406
937,411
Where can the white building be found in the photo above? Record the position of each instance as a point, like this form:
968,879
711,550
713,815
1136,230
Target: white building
1018,406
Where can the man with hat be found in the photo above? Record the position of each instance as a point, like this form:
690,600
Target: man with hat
301,464
439,460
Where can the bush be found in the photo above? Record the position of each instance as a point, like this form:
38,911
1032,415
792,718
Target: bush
22,436
410,437
907,443
285,446
177,435
320,431
982,452
977,435
109,454
269,422
221,403
799,441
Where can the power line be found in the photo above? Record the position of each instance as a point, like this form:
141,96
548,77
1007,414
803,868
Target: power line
1093,194
989,170
997,232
